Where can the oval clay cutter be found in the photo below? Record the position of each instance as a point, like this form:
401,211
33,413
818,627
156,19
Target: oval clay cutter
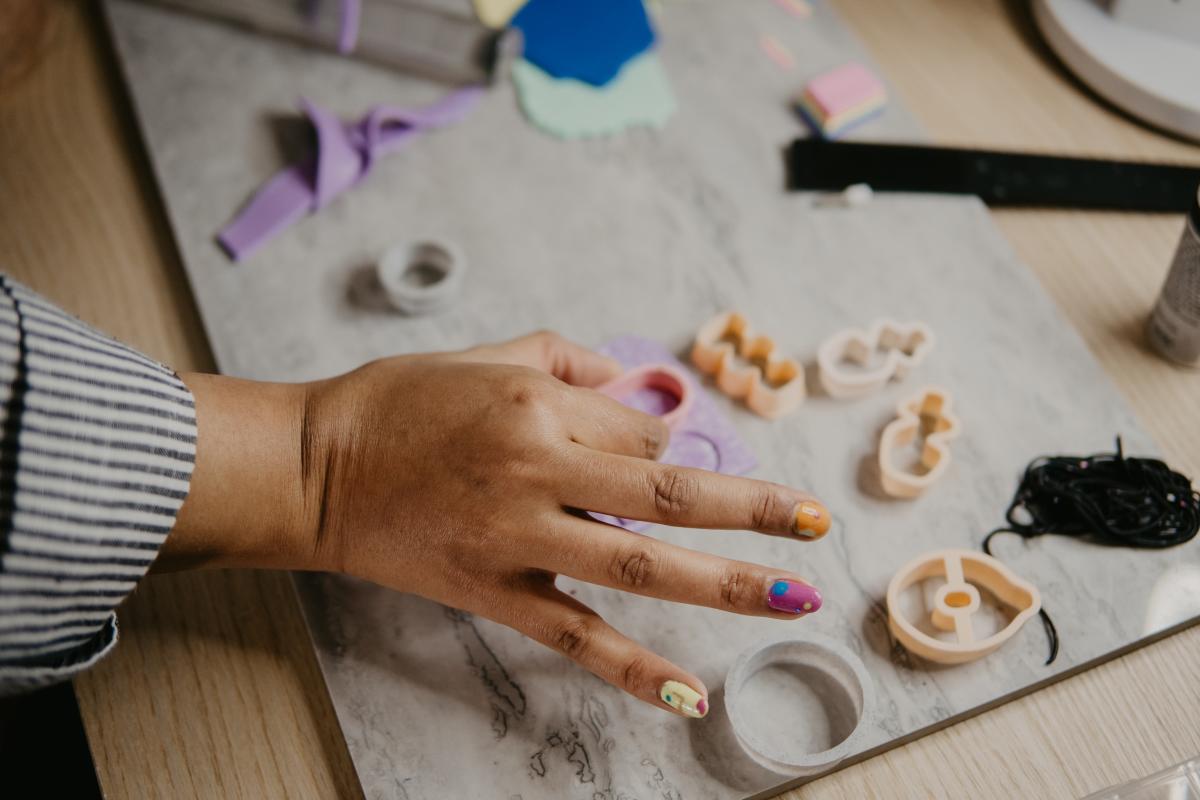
927,413
659,377
770,384
421,277
903,345
956,602
837,687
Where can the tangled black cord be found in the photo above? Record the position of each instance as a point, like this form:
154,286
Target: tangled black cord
1105,498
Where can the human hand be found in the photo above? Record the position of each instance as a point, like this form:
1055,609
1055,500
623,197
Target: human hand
461,477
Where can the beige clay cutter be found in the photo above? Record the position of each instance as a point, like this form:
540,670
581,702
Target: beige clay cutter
956,602
903,346
770,384
927,414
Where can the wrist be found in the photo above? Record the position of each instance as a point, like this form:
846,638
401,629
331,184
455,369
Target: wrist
246,502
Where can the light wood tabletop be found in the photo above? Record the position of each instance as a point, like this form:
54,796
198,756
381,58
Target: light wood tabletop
214,690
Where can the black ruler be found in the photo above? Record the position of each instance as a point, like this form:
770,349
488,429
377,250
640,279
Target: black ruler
999,178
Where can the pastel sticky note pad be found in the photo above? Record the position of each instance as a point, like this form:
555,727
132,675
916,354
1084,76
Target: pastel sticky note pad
497,13
588,40
571,109
843,88
839,99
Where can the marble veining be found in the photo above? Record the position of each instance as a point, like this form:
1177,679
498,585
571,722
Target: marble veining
649,233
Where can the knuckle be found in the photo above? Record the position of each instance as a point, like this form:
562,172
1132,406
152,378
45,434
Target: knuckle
530,394
635,674
572,636
654,438
738,589
634,566
767,509
675,491
531,398
546,340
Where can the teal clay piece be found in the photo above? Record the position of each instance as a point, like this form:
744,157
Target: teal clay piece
640,95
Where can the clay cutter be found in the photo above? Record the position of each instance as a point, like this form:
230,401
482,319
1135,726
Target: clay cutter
659,377
905,346
770,384
956,602
831,669
927,413
422,277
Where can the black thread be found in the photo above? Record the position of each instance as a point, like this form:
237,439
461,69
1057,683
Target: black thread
1047,623
1106,499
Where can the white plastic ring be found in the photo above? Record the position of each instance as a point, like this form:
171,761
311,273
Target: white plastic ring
422,277
799,706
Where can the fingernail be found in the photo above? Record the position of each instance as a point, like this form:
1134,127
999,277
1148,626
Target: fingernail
682,697
793,597
812,520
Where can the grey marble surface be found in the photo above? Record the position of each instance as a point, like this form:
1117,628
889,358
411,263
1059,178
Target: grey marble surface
647,234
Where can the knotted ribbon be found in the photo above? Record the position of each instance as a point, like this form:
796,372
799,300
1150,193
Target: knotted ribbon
345,154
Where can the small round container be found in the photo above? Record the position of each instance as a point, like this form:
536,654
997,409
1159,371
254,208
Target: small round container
799,706
422,277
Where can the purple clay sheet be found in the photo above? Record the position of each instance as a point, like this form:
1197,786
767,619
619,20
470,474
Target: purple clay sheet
706,439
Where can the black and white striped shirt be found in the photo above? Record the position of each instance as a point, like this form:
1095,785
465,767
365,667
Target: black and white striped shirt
97,444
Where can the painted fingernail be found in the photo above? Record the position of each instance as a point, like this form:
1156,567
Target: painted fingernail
682,697
812,520
793,597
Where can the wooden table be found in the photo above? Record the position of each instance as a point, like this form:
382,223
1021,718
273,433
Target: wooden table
214,690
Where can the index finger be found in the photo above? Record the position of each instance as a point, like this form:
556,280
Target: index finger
635,488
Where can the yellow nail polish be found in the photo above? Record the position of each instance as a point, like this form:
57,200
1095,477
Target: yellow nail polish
812,520
683,698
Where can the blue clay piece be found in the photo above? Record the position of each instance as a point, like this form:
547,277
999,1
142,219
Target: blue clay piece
589,40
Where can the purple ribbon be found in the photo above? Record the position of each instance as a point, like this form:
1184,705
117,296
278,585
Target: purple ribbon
351,12
345,154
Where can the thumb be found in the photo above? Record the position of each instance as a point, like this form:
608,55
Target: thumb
549,352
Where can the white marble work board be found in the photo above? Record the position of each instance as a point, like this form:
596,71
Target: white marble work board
647,233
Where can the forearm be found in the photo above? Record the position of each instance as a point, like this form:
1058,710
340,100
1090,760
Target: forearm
246,506
96,454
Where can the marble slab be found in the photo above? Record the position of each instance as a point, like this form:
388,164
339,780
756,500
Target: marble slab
647,234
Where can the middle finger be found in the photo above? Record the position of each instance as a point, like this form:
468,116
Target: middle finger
636,488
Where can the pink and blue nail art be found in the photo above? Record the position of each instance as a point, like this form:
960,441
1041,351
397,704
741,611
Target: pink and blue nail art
793,597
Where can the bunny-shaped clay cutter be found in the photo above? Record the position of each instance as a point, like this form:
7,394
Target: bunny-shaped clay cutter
927,413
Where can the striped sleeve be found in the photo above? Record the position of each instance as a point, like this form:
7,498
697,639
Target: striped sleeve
97,444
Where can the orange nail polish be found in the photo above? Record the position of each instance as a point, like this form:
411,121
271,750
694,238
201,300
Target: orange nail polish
812,520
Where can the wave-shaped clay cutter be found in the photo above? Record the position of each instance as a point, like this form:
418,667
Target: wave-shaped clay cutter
956,602
904,346
770,384
927,414
663,378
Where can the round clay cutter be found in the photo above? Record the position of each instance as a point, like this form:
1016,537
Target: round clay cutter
832,671
664,378
422,277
